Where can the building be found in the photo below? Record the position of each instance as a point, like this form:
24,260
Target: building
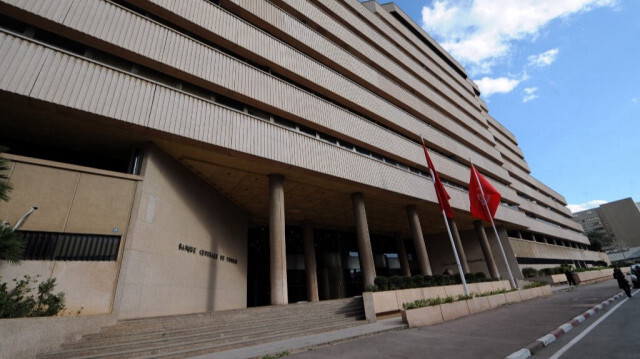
617,221
225,154
592,223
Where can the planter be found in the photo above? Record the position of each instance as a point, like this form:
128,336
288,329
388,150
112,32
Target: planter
421,317
454,310
497,300
513,297
478,304
527,294
443,312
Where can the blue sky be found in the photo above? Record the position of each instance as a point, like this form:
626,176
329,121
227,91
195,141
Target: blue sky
562,75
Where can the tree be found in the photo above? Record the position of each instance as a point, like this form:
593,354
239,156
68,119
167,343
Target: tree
11,247
597,240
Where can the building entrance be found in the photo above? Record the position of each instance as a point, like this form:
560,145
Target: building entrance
338,265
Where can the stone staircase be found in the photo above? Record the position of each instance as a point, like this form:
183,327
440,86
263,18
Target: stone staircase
184,336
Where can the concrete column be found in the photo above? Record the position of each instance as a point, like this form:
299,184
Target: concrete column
486,250
277,248
519,234
533,237
365,253
418,241
458,242
310,262
402,256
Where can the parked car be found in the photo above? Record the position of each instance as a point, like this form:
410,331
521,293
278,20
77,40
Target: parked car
635,275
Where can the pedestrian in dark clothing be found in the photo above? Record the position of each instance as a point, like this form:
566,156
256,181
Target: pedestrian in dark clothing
570,278
622,281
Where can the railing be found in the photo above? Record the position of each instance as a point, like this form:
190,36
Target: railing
69,246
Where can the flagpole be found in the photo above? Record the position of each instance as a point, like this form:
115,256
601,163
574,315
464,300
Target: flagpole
455,253
504,256
432,171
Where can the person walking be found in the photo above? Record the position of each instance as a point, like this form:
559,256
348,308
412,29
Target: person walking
569,274
622,281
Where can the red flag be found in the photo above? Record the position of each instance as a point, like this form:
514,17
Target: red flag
482,207
443,196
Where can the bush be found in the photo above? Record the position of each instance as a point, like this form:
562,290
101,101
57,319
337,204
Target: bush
406,282
395,282
529,272
18,303
470,277
437,279
547,271
418,280
480,277
372,288
534,285
428,281
382,283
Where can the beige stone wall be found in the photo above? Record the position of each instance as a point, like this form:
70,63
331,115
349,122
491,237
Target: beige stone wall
70,199
178,208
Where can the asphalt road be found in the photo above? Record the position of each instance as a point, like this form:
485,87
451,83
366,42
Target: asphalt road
498,332
614,333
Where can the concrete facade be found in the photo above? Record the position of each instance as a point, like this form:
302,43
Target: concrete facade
617,221
201,129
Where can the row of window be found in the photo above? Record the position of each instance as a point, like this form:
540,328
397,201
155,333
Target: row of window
69,246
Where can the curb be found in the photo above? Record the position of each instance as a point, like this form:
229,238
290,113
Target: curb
551,337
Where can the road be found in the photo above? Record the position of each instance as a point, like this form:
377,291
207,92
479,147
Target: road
502,331
615,333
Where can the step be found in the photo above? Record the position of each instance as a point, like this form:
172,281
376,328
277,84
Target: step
210,331
180,335
116,331
235,315
192,349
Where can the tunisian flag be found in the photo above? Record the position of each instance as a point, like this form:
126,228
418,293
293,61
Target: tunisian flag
483,207
443,196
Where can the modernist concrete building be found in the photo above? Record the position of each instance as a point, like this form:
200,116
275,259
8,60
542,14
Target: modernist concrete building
618,221
190,156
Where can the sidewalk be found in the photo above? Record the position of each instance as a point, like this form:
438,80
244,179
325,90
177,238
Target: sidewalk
492,334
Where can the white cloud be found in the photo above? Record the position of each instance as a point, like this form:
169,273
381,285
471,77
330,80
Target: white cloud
544,59
530,94
489,86
584,206
635,100
480,33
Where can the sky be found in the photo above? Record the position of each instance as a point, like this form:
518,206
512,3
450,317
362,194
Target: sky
562,75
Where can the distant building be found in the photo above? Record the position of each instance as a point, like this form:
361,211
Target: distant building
618,221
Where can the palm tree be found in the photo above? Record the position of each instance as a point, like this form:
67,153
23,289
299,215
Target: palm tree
11,247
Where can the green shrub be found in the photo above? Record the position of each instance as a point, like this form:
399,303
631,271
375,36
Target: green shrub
449,299
534,285
20,303
480,277
464,297
372,288
406,282
382,283
418,280
395,282
470,277
428,281
456,279
494,292
547,271
529,272
437,279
